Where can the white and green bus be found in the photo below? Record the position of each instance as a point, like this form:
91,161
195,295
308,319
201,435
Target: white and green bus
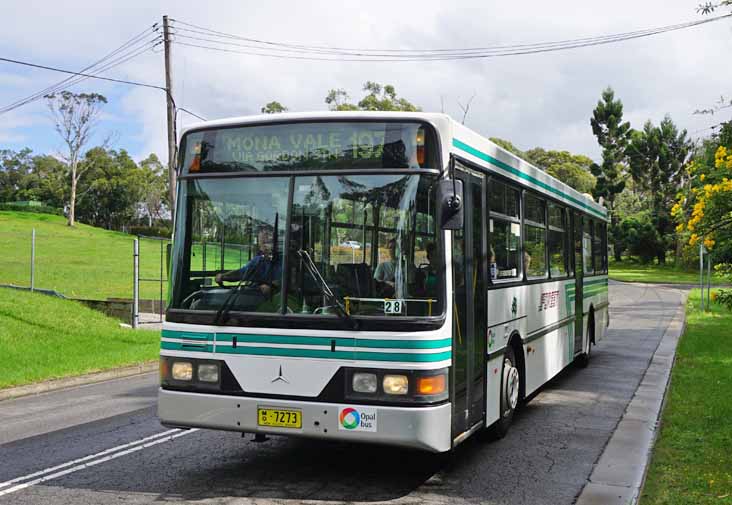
391,278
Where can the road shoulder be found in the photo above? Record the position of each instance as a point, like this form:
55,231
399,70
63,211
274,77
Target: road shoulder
617,476
78,380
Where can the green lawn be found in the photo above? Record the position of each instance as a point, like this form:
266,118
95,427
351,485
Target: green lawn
43,337
629,271
80,262
692,458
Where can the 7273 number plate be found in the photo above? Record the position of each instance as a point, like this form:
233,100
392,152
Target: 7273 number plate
279,418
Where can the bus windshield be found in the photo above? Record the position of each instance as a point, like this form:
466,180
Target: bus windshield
249,245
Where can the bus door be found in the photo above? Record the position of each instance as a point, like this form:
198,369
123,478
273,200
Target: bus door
579,273
469,270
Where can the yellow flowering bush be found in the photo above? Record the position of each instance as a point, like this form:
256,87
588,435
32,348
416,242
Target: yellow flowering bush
705,206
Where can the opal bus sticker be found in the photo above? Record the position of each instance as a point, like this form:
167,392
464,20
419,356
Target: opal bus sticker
351,419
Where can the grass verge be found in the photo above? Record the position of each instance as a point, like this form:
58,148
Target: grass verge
692,458
42,337
629,271
80,262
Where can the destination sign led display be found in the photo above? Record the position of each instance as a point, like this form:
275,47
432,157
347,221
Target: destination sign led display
309,146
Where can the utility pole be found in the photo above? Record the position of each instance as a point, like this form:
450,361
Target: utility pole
172,177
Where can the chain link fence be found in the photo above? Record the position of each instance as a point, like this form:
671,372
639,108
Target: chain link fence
85,264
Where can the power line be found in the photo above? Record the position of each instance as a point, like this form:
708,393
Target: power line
130,49
189,112
90,76
75,79
272,49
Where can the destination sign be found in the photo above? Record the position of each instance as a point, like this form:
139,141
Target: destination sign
308,146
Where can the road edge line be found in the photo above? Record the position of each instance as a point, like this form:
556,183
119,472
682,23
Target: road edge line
77,380
619,473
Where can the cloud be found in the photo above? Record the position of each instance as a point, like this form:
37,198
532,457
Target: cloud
539,100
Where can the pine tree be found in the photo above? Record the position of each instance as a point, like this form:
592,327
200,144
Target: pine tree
612,135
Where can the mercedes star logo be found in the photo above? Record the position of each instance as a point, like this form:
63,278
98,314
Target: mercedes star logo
280,377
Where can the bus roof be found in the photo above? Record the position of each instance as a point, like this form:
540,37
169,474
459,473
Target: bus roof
455,138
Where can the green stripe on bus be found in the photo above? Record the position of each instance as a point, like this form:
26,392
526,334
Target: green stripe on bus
177,346
190,335
339,341
518,173
317,353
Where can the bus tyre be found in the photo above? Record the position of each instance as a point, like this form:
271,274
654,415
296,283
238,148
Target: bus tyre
510,387
583,360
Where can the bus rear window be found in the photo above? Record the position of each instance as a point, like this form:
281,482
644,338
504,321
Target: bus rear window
310,146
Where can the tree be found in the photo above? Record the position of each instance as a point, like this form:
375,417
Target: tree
571,169
465,107
47,182
710,7
612,135
639,236
704,206
338,99
508,146
274,107
15,168
75,116
154,188
657,156
111,192
377,97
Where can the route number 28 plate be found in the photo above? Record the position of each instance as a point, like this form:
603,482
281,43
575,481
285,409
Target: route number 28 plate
393,306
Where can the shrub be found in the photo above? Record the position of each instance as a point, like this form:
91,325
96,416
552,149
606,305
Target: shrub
150,231
40,209
723,297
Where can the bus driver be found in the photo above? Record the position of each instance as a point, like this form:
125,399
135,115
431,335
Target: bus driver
263,273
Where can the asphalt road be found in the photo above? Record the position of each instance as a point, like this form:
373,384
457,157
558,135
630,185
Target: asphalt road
103,444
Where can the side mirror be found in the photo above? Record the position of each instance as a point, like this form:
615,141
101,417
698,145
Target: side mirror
450,204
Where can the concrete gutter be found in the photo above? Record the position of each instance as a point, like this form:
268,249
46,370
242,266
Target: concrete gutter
79,380
619,473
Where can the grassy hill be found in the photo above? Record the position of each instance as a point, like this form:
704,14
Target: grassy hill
80,262
43,337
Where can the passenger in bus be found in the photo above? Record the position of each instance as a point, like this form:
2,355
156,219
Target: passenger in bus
262,274
492,265
427,273
386,270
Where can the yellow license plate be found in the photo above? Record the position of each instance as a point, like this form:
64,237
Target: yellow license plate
279,418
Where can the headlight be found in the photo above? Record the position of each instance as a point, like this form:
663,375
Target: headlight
396,384
208,372
182,371
364,383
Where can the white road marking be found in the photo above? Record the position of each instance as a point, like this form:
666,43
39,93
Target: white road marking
87,458
92,460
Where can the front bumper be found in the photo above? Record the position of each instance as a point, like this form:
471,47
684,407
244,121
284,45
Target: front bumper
426,428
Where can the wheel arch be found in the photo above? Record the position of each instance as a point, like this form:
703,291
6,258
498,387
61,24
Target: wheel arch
516,343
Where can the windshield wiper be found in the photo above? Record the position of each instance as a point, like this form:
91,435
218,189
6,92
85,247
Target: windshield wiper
226,306
325,289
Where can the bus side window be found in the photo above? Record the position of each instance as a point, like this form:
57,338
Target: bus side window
534,236
558,254
587,246
597,248
504,261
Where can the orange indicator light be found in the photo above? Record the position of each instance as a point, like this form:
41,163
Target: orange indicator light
431,385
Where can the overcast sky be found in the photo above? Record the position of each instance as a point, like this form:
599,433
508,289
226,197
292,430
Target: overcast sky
537,100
